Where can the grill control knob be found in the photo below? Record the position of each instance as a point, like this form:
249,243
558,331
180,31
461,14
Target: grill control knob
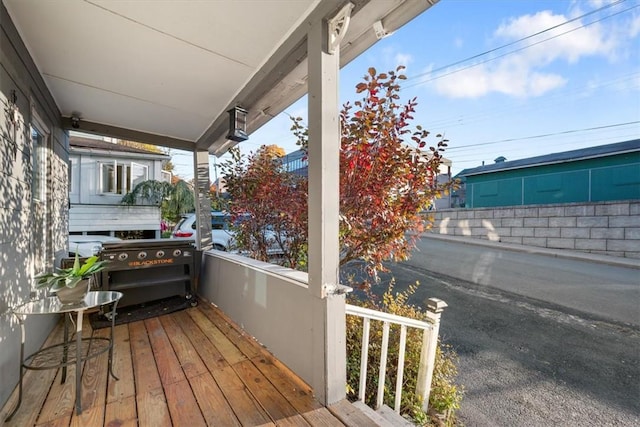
177,252
159,254
123,256
142,255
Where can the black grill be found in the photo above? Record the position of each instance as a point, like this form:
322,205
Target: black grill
149,269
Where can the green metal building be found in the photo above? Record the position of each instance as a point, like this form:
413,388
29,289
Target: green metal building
595,174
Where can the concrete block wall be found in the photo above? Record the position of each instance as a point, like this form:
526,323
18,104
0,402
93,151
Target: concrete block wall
609,228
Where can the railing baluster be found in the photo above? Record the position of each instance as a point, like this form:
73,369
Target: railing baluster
383,364
364,356
430,330
400,376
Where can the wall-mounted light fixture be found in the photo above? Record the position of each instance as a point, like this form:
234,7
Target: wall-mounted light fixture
380,31
237,124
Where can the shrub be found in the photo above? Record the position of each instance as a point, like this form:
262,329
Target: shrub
445,396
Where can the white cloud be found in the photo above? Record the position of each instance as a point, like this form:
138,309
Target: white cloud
392,57
403,59
564,45
599,3
529,72
508,80
634,27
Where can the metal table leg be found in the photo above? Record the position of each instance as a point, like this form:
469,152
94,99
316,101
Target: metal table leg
113,323
22,340
65,349
79,361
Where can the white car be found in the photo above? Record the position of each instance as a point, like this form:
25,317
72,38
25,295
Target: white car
88,245
221,234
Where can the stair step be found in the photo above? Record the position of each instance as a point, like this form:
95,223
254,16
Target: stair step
352,416
384,416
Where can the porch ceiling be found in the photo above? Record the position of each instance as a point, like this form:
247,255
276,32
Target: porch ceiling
166,73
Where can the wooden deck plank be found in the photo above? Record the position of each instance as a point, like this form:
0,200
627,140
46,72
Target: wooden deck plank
349,415
58,422
36,386
166,360
297,392
61,399
191,363
270,399
229,351
151,403
290,385
122,367
183,406
245,407
121,413
153,409
211,357
190,368
144,365
245,343
321,417
94,388
215,408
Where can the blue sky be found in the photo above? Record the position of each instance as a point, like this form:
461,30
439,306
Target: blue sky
494,88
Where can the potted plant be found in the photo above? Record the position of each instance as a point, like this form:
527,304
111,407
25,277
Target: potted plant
71,284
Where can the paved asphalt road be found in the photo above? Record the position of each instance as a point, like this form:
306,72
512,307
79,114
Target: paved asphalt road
579,284
524,361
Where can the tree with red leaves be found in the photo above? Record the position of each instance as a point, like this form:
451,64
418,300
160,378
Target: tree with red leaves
268,207
387,179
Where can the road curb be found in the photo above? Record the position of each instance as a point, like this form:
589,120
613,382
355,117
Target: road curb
556,253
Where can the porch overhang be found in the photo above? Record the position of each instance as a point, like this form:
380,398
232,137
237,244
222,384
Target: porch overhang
167,75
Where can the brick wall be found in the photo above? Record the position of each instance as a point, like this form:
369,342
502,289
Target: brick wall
610,228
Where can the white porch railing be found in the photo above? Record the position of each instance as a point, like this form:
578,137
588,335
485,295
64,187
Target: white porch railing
427,354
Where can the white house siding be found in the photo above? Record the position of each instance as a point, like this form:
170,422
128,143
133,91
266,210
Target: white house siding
85,174
92,211
21,218
98,218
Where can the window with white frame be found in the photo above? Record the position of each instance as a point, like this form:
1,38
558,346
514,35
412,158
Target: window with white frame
139,173
120,177
165,176
74,179
41,234
39,165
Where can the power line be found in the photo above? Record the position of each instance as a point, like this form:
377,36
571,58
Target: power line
545,135
556,98
589,140
513,51
518,41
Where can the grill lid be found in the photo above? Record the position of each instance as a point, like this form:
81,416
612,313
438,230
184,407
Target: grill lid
146,244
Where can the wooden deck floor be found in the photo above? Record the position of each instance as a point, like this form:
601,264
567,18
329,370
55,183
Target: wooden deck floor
189,368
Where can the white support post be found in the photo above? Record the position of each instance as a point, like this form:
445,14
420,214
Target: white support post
328,305
435,307
202,199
